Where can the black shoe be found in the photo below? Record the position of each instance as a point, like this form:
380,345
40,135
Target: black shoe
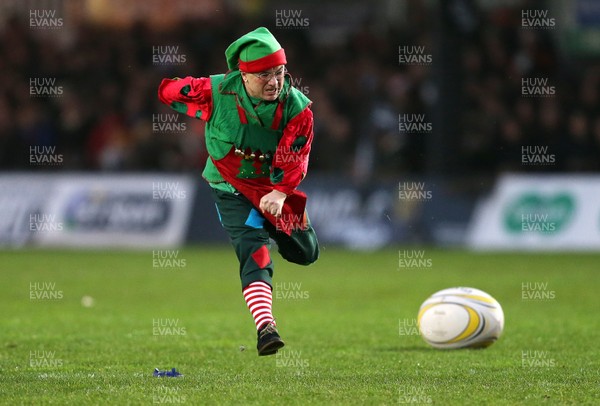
268,340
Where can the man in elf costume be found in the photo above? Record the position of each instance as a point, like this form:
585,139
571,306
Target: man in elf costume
259,131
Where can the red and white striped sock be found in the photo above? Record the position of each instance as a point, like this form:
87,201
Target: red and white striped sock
258,297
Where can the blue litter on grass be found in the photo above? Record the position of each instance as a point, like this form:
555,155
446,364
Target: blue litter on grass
172,373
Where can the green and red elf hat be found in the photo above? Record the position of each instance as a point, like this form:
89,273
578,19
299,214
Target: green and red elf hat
255,52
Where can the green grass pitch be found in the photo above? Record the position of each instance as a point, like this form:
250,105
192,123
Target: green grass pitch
348,322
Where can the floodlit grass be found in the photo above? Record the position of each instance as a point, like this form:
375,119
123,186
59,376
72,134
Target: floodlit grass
348,322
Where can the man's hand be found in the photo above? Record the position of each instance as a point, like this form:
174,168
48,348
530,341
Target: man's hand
272,202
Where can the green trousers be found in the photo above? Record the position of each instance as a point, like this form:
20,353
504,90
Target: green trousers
249,234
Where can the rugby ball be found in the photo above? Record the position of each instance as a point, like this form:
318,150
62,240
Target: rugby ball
460,318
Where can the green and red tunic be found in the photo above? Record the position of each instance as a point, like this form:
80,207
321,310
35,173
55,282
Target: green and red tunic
254,146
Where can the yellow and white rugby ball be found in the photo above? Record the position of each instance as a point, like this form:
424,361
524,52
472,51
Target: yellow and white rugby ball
460,318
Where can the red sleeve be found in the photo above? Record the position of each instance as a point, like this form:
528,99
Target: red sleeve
290,162
191,96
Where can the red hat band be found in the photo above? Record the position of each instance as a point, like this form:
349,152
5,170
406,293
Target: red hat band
266,62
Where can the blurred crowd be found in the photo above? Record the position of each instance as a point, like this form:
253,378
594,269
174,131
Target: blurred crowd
503,115
106,113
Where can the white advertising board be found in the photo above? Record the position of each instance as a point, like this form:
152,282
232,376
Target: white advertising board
550,212
96,210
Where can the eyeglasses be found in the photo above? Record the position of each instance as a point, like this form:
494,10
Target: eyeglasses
267,76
